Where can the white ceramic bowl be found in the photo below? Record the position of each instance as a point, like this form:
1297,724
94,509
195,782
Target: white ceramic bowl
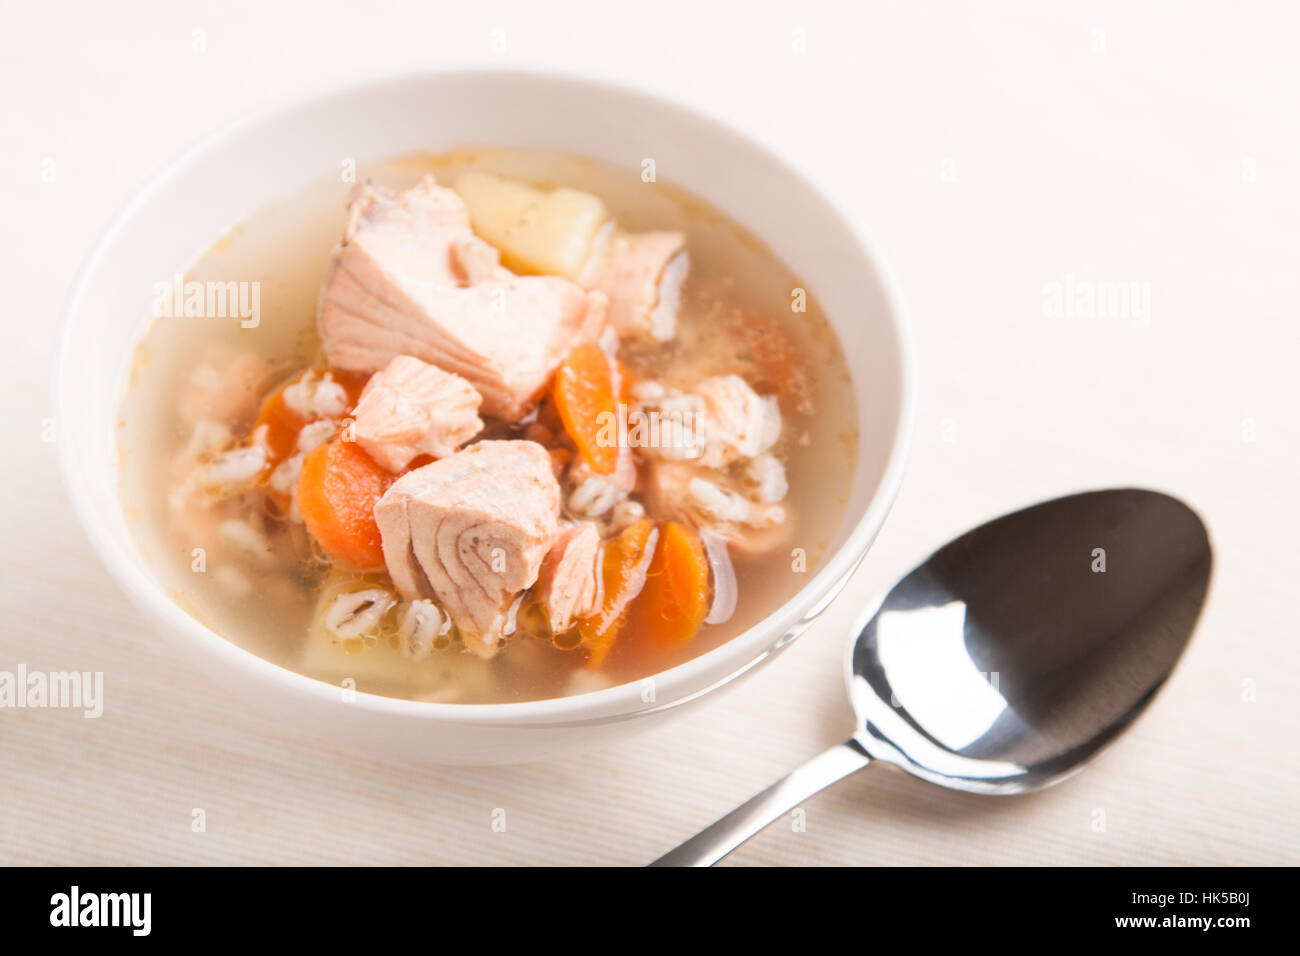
216,183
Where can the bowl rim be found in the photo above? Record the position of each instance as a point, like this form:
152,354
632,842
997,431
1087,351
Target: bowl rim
623,700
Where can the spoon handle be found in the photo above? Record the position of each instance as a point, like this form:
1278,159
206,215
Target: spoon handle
714,842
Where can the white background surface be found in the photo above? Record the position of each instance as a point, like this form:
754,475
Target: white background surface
991,149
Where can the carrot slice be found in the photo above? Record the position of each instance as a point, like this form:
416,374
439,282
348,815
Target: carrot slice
283,423
586,397
336,496
623,574
675,600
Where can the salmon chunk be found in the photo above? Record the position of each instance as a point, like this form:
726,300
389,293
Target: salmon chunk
471,532
643,277
409,277
741,423
722,421
706,499
568,586
411,408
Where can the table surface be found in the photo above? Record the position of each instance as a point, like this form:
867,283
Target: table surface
992,150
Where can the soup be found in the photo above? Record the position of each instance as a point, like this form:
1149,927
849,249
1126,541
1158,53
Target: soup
494,426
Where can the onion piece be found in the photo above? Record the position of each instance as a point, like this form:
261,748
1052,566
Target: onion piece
725,589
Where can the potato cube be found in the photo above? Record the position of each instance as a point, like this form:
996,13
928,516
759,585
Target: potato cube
537,232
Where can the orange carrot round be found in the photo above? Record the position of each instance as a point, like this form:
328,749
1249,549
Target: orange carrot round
586,397
283,424
623,574
336,496
675,600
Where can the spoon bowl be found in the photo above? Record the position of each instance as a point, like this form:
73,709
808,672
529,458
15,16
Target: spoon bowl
1013,656
1017,652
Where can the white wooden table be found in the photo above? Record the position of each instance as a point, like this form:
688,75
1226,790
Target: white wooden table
998,154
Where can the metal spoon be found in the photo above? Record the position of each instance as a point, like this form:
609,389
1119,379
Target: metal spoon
1011,657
